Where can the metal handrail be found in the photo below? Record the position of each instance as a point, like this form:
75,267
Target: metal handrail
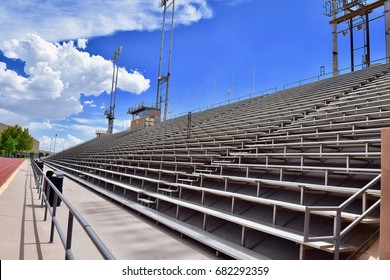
329,74
42,180
337,232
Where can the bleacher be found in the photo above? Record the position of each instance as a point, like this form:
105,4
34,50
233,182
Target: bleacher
290,175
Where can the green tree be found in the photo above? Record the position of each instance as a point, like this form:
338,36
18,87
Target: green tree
25,141
10,146
15,140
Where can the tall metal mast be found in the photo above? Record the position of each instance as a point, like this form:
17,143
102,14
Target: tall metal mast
387,29
347,11
335,44
110,114
164,80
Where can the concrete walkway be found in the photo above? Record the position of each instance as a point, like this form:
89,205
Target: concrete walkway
24,234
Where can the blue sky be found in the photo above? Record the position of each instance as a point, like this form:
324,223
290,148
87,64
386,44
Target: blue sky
55,69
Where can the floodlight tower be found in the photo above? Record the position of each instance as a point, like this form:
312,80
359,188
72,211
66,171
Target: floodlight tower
110,114
331,10
349,11
161,79
387,29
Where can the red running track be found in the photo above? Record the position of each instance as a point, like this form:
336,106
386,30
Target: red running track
8,167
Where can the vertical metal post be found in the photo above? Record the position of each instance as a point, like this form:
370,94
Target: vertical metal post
189,125
54,215
165,79
337,230
111,113
46,196
169,63
274,215
301,252
112,84
116,65
177,212
243,236
364,202
368,47
352,45
68,245
302,200
161,55
306,225
387,30
335,48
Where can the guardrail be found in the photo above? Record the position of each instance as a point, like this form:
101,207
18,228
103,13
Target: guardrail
41,181
338,234
284,86
227,102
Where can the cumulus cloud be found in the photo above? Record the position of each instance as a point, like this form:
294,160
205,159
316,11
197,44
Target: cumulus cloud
82,43
11,118
57,20
57,74
192,11
57,144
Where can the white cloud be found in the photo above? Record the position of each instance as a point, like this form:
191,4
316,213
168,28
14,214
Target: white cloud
100,121
82,43
134,82
90,103
57,75
39,128
57,144
192,11
88,130
47,124
233,2
57,20
11,118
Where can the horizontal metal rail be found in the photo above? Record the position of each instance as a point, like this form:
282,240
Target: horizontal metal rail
335,212
337,232
42,180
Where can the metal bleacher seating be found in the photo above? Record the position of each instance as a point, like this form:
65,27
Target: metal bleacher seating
290,175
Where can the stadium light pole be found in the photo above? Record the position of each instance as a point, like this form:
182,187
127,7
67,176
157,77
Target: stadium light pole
164,80
55,142
335,45
111,113
387,29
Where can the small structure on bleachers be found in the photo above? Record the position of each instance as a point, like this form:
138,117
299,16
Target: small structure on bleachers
101,133
144,115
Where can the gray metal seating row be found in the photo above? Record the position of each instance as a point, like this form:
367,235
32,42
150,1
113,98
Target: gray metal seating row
302,179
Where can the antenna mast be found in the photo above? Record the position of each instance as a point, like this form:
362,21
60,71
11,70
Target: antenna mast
110,114
164,80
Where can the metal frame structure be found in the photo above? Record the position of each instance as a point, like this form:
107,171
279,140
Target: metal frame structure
164,80
347,11
110,114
